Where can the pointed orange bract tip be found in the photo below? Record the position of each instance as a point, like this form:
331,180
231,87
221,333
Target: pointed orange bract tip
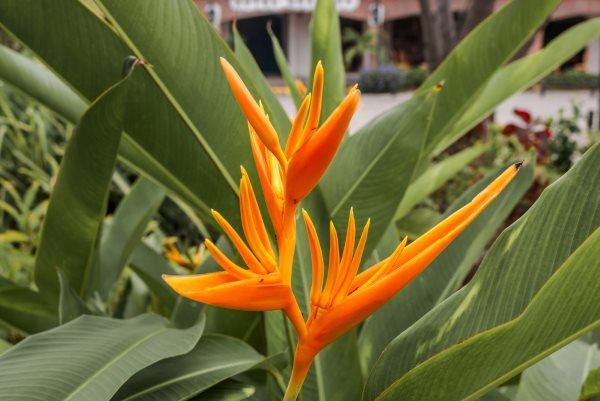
310,161
312,122
295,138
253,112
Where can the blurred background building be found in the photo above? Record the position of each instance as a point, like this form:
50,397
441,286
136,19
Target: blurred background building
403,32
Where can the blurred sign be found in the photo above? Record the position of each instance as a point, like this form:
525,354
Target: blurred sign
376,14
286,5
213,13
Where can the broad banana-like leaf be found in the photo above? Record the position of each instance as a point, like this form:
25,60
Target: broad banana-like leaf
326,47
174,135
436,176
447,272
40,83
89,358
560,376
78,200
122,234
537,257
502,352
521,74
284,68
214,359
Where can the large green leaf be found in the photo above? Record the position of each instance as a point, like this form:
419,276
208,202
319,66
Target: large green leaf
560,376
447,272
374,167
326,46
478,364
88,358
521,74
121,235
436,176
40,83
517,267
478,56
189,80
174,135
78,201
214,359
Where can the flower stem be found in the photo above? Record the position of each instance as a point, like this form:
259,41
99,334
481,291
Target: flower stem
302,360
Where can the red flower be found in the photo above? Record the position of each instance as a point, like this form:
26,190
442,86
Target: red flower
523,115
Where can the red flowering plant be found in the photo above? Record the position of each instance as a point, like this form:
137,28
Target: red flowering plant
532,133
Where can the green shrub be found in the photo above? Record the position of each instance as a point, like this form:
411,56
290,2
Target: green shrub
390,79
383,79
572,79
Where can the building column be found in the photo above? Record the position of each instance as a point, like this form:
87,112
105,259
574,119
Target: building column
592,57
368,57
298,43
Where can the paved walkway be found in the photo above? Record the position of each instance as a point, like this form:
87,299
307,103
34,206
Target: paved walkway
540,105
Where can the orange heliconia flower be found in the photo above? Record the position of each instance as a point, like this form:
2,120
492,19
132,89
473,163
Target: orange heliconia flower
347,298
286,176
